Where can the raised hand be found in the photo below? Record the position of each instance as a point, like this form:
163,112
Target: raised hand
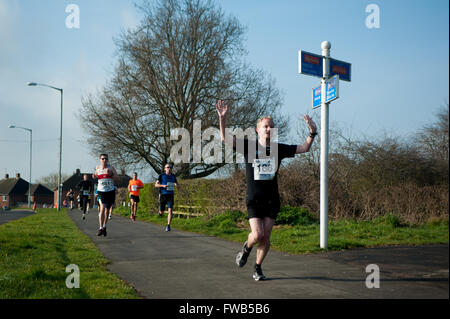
221,108
311,125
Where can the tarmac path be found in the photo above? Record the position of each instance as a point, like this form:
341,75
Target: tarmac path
10,215
183,265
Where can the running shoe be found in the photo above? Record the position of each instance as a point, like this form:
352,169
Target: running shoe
104,231
109,217
258,275
160,214
100,232
168,228
84,217
241,257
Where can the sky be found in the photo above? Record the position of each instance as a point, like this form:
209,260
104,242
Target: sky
400,70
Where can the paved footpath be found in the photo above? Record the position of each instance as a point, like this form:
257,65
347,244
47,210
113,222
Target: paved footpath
183,265
10,215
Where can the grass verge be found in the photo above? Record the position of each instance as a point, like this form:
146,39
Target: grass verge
298,239
34,254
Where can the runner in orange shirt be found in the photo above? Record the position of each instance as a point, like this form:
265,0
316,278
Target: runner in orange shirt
133,187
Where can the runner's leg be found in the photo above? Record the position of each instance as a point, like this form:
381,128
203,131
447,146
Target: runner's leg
264,243
169,218
257,231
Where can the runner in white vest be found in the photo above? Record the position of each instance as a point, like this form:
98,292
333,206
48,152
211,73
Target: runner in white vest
106,176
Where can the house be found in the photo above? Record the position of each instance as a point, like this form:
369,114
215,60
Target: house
13,191
41,195
77,177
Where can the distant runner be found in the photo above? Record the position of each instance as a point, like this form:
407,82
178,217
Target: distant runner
262,160
166,183
106,175
134,186
86,187
71,196
97,201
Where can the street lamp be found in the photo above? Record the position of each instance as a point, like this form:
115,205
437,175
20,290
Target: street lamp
60,138
31,148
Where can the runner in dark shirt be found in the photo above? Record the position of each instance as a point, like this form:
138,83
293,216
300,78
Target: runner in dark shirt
71,197
262,160
86,188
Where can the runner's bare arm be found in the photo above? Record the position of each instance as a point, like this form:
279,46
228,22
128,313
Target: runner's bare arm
95,175
114,174
309,140
222,108
158,185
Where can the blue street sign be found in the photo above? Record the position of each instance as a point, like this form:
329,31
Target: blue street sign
316,96
310,64
332,89
341,68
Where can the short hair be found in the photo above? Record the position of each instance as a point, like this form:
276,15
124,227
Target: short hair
267,117
103,154
168,164
135,173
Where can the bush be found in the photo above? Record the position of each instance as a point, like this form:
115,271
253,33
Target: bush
389,219
295,216
228,218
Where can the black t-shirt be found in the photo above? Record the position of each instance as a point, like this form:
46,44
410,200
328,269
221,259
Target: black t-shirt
261,166
85,187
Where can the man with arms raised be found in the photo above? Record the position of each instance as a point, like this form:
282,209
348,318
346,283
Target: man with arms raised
262,160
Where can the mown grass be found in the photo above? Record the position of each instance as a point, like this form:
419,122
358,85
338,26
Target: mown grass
34,254
304,237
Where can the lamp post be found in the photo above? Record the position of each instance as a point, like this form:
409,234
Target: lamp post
31,151
60,138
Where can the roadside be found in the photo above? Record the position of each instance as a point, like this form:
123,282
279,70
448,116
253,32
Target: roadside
34,255
184,265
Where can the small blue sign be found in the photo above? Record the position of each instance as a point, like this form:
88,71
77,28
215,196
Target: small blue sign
316,96
310,64
332,89
341,68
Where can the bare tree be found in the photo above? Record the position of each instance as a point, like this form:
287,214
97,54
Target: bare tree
171,70
51,181
433,138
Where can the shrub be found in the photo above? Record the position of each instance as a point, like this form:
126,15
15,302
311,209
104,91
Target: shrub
389,219
227,218
295,216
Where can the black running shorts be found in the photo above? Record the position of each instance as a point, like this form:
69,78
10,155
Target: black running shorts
261,208
165,199
107,198
135,198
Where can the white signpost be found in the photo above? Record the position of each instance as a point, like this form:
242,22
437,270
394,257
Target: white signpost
310,64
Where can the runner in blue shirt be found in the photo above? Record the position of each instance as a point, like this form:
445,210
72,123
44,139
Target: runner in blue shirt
166,183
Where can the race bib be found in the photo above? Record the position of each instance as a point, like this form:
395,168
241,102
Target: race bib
86,193
170,186
105,185
134,188
264,169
